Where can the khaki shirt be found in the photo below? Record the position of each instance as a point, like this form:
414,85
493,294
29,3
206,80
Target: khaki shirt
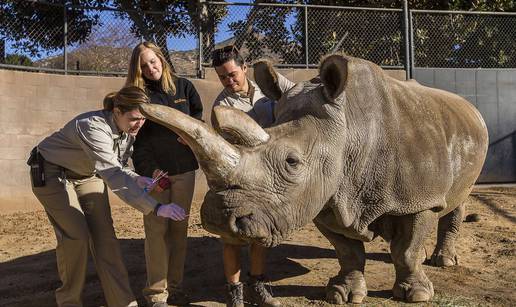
254,103
91,144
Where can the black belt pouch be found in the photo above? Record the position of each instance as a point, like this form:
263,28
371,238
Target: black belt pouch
37,170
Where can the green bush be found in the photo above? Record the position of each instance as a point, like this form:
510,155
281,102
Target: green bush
18,59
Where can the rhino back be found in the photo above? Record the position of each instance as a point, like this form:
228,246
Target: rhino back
443,141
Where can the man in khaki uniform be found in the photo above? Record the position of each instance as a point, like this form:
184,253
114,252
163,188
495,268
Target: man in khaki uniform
241,93
79,160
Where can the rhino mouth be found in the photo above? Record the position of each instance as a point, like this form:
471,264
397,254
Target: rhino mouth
243,223
248,228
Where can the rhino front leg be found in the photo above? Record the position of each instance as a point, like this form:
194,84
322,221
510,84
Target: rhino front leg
447,232
349,285
410,232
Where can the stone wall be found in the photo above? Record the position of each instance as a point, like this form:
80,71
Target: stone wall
33,105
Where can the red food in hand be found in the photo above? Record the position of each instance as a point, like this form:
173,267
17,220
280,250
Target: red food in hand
164,183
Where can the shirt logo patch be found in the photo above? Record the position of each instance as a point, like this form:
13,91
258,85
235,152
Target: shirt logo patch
180,100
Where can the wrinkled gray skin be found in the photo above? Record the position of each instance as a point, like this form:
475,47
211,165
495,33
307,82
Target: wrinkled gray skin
359,153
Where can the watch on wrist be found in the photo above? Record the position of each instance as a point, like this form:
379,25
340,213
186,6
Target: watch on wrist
156,208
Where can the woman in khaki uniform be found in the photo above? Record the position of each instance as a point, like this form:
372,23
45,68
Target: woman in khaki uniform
79,161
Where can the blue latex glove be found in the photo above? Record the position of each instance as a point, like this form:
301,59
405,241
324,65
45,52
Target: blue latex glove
172,211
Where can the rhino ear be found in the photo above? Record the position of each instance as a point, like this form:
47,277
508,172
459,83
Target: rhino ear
237,127
334,74
267,79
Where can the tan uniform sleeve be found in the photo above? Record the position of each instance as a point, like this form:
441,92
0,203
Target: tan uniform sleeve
98,144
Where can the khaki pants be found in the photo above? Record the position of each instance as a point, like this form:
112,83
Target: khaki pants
165,240
80,213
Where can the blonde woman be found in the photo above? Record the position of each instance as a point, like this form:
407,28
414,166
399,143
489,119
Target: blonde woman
70,172
158,150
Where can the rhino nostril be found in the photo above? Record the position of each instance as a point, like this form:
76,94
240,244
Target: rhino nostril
243,222
240,224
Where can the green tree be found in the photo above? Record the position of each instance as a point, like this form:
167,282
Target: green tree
441,40
265,33
460,40
36,27
157,20
18,59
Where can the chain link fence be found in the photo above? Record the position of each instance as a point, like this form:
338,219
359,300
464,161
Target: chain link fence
375,35
259,31
105,47
83,40
89,40
297,35
29,31
464,40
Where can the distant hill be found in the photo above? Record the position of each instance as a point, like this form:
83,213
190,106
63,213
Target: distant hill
116,60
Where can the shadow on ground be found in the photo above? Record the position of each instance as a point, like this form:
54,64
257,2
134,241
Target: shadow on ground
204,276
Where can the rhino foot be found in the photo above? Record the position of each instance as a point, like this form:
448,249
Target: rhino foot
414,291
348,289
444,259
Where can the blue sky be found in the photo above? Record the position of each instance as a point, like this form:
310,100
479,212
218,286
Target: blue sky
236,12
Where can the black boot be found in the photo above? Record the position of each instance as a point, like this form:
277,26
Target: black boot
235,295
177,297
258,294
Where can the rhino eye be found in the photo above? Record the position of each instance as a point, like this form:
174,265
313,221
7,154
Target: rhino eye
292,161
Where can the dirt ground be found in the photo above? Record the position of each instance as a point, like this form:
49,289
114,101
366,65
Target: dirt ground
298,269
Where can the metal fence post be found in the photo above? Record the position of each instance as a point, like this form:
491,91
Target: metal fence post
200,71
2,51
412,45
406,25
65,39
306,36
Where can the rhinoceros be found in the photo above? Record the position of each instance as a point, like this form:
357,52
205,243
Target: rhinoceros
355,151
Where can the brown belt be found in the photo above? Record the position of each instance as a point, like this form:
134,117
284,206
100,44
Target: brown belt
74,176
69,174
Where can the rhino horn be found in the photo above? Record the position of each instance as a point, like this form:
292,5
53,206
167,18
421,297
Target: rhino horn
334,73
216,156
267,79
237,127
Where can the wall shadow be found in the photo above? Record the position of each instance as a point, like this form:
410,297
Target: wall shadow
500,164
494,206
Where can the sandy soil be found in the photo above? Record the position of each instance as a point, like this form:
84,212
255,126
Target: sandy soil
298,269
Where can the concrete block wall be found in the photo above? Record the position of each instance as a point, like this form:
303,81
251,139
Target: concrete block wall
33,105
493,92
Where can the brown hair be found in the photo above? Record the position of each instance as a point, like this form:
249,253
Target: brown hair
126,99
135,76
225,54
